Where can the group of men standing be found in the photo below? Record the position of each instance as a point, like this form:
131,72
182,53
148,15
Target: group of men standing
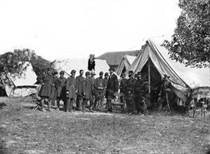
134,92
88,92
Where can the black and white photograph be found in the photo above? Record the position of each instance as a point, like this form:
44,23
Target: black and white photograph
104,76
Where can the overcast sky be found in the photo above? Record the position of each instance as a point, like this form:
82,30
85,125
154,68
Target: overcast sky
58,29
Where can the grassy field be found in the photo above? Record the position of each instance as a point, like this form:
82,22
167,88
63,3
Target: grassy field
25,131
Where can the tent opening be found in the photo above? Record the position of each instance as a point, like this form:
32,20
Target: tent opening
155,86
124,70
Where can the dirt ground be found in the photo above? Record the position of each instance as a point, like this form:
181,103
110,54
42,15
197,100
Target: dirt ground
25,131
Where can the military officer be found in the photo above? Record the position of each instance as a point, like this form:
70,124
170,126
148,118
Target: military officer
99,87
61,91
80,89
129,93
122,88
70,92
45,90
93,90
53,93
138,94
88,88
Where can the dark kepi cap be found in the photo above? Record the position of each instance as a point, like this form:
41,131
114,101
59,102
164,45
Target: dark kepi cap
87,73
101,73
62,72
73,71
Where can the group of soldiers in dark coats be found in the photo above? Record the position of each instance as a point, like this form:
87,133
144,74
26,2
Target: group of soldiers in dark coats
87,93
134,91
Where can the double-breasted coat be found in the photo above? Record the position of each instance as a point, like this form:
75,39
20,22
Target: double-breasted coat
99,87
46,87
61,87
80,85
112,86
88,88
71,88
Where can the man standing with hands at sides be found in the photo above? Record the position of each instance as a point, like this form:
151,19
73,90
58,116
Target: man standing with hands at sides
61,91
45,91
88,88
80,89
99,87
92,102
138,94
70,92
123,88
112,88
129,93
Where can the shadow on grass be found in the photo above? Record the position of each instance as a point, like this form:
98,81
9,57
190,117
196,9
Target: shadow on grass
2,105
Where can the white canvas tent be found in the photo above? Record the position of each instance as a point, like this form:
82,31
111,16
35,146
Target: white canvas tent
181,77
68,64
125,64
22,85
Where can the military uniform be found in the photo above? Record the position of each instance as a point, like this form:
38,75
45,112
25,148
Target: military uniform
92,101
45,90
53,93
105,83
61,90
70,93
112,88
164,93
138,95
130,83
123,89
60,85
99,87
80,91
88,88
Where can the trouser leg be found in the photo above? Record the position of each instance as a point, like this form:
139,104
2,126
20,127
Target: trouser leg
133,105
167,101
80,103
49,103
58,103
84,102
71,101
66,104
42,104
109,104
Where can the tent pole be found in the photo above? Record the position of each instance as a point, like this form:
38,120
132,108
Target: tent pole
149,77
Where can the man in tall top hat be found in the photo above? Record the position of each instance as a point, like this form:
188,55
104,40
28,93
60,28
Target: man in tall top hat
91,63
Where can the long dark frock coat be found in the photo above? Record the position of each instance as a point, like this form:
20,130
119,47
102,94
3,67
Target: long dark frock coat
45,90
